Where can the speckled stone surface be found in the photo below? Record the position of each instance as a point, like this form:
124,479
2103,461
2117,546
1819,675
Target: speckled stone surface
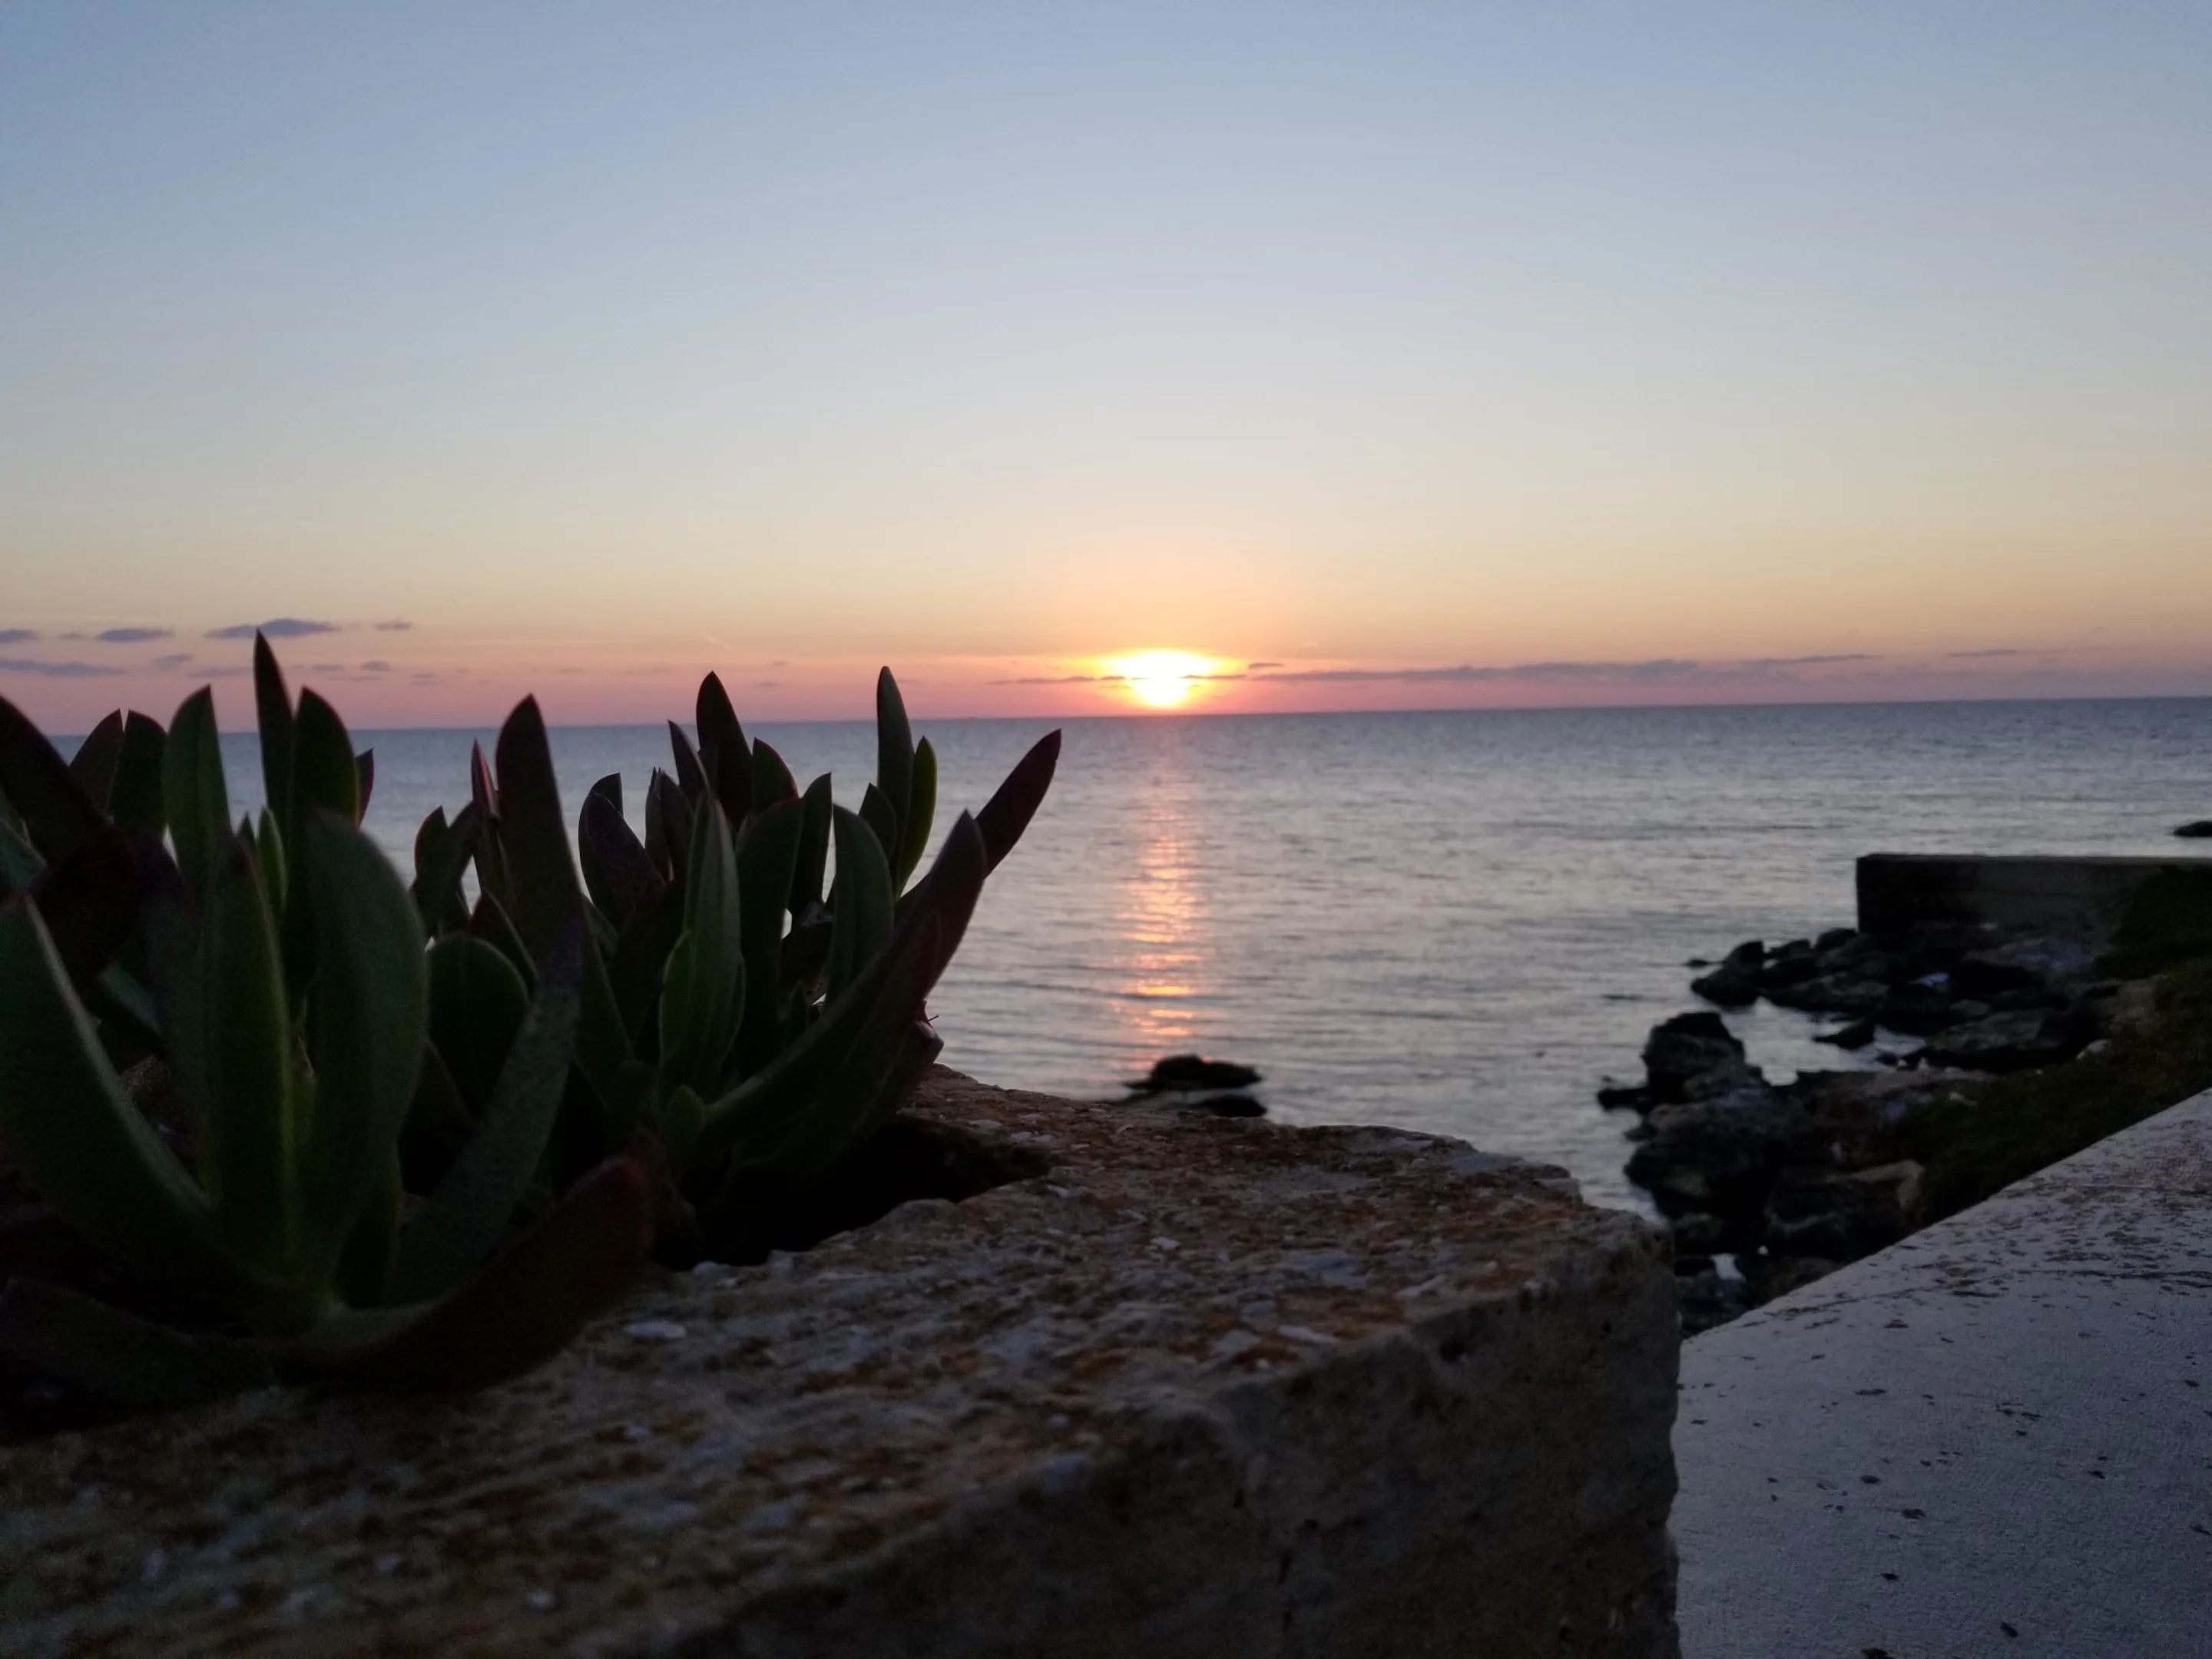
1994,1438
1200,1388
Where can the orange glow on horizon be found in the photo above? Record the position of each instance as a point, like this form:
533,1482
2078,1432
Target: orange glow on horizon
1161,679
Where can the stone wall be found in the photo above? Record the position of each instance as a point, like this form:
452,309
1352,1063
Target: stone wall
1188,1386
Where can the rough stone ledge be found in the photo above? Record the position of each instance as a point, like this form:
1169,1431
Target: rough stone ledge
1203,1387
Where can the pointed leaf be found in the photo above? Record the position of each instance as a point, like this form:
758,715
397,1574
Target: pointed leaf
56,809
1008,812
442,852
248,1149
548,893
860,900
364,769
813,849
920,810
690,777
94,762
84,1146
639,962
877,813
859,1099
617,870
771,778
269,858
470,1212
703,992
369,1017
894,755
668,821
272,708
767,854
193,796
324,774
723,754
477,1003
489,852
489,923
609,790
134,801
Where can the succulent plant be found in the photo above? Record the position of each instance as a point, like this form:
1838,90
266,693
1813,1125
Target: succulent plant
277,971
762,1028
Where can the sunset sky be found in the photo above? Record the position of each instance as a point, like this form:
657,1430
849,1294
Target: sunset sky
1359,357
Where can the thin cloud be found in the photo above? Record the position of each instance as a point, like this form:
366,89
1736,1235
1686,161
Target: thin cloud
1255,667
395,626
277,627
55,671
1662,669
2010,651
17,636
376,666
174,660
134,635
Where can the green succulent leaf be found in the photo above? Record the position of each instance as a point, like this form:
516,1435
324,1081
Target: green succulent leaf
618,872
771,778
467,1215
859,1099
703,989
860,900
80,1143
20,863
547,894
442,852
369,1020
193,797
477,1003
134,800
813,849
640,958
920,810
323,775
690,777
489,923
272,707
248,1150
94,762
490,853
608,789
56,809
894,754
269,857
881,819
767,854
667,826
723,754
364,772
1008,812
364,1269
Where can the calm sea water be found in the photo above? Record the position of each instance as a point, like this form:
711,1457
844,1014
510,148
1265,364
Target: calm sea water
1457,922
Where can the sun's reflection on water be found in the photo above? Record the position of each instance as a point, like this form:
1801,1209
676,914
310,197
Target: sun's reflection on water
1161,920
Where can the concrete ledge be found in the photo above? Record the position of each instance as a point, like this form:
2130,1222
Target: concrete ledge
1995,1437
2078,897
1205,1388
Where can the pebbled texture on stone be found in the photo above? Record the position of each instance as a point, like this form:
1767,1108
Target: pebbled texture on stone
1204,1388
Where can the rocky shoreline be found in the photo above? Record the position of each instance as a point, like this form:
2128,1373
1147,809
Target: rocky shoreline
1768,1186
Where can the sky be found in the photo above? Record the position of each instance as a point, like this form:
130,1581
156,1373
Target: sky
1089,359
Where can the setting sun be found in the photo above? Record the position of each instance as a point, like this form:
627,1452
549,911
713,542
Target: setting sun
1161,679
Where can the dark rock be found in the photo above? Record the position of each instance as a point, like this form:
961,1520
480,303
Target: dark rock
2200,830
1983,977
1830,993
1727,986
1842,1215
1835,940
1857,1035
1749,954
1706,1300
1697,961
1697,1234
1917,1009
1695,1057
1714,1155
1633,1097
1194,1072
2011,1042
1793,964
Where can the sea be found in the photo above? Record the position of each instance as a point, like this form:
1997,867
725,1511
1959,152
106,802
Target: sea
1458,923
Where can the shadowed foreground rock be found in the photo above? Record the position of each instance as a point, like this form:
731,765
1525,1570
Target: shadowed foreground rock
1189,1387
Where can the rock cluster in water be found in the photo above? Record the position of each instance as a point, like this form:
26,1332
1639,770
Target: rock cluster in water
1220,1087
1793,1180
